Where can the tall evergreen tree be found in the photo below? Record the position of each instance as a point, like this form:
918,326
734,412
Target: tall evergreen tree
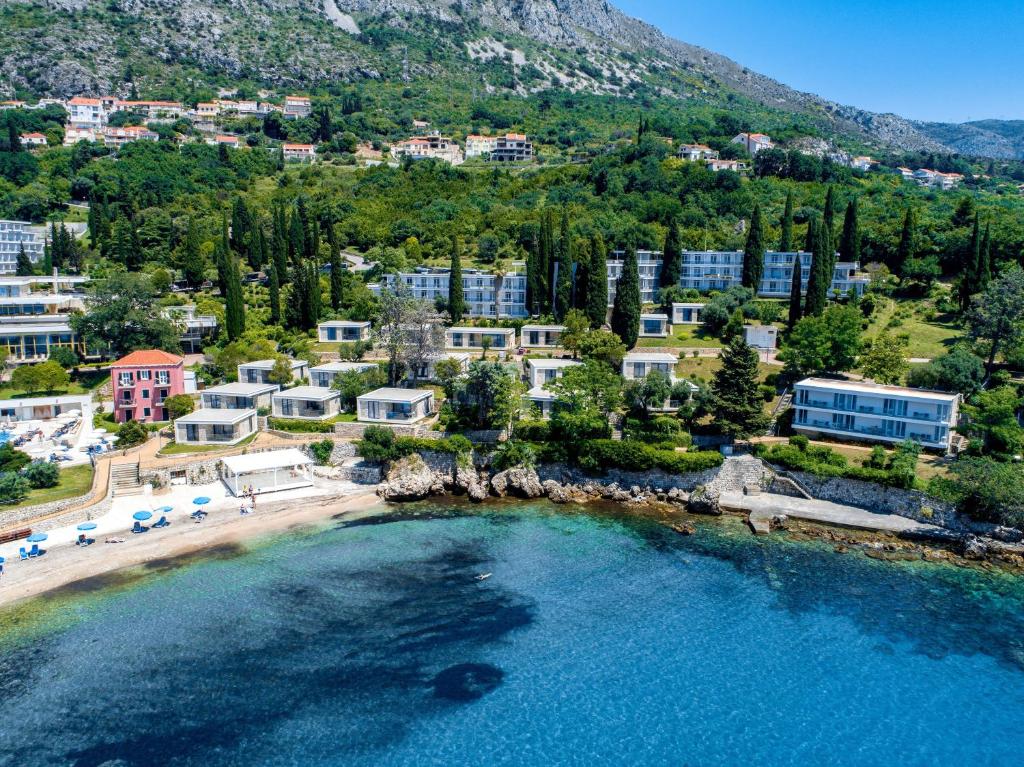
337,275
456,301
581,273
279,243
54,248
819,280
849,244
534,289
563,285
221,253
124,247
828,218
907,248
626,307
738,406
786,240
795,292
597,282
23,265
191,262
985,260
970,275
296,240
672,258
753,252
546,262
234,302
242,240
274,287
812,232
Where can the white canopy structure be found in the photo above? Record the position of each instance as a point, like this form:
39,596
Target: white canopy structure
268,471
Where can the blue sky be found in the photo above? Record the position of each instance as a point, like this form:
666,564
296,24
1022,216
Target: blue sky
937,60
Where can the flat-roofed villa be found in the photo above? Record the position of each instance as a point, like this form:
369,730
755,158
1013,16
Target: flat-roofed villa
324,375
389,405
654,325
343,330
541,336
215,426
259,371
311,403
636,365
238,396
502,339
428,372
30,339
686,313
41,408
865,411
542,371
543,399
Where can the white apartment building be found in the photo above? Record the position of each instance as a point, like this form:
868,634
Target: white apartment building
696,153
299,152
19,299
873,412
485,294
480,145
115,138
937,179
195,329
753,142
432,146
15,235
86,113
500,339
720,270
636,365
512,147
30,339
73,135
714,164
296,107
541,336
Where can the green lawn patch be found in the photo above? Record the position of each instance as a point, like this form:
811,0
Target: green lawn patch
173,448
686,336
74,481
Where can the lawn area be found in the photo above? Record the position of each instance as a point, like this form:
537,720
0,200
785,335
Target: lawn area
173,448
705,368
105,421
928,338
83,382
685,336
74,481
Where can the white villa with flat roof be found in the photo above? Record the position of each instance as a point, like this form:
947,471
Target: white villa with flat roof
310,403
259,371
342,330
238,396
324,375
428,372
41,408
860,410
541,336
215,426
541,398
542,371
636,365
654,326
502,339
687,313
389,405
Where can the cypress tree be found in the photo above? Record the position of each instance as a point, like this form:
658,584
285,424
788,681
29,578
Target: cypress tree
296,240
241,232
971,274
533,271
563,286
314,302
581,273
817,283
849,245
786,240
337,282
985,261
125,245
828,218
221,252
456,302
193,268
812,232
795,292
13,138
626,306
672,258
23,266
279,244
546,262
274,286
296,309
597,282
234,313
907,246
753,252
54,248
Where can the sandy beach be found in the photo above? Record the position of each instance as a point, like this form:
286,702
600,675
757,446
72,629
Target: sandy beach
66,564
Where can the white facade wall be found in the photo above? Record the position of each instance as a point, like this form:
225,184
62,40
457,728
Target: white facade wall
13,236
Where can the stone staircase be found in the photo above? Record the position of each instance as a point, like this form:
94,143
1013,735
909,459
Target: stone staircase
615,421
124,479
782,407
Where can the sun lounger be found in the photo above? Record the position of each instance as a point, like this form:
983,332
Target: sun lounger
82,540
137,527
34,551
23,553
114,540
162,522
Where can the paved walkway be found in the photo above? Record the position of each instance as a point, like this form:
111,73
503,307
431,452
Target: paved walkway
761,508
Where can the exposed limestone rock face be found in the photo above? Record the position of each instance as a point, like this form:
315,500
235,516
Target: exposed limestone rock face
410,479
518,482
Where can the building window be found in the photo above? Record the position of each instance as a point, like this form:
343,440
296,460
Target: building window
145,394
146,412
144,375
163,377
125,379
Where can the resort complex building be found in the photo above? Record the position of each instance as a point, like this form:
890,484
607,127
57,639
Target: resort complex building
543,371
195,329
541,336
499,339
142,381
30,339
433,146
654,325
19,296
687,313
324,375
16,236
313,403
399,406
238,396
215,426
636,365
875,412
485,294
342,330
260,370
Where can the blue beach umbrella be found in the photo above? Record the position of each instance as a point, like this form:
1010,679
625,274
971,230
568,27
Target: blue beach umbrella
36,538
201,500
165,510
87,526
142,515
2,560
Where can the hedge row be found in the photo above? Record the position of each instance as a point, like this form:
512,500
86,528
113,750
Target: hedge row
456,444
600,454
299,426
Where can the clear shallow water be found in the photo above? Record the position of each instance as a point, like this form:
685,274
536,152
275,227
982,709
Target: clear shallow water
596,641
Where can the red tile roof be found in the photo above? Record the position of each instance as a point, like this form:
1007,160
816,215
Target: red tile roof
146,357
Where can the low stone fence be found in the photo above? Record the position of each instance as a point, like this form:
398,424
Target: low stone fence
355,429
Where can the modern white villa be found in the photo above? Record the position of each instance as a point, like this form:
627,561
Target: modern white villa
215,426
389,405
541,336
873,412
428,371
501,339
324,375
342,330
654,326
259,371
686,313
542,371
542,399
309,403
30,339
238,396
636,365
41,408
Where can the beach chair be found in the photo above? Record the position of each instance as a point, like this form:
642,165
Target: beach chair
162,522
34,551
23,553
137,527
82,541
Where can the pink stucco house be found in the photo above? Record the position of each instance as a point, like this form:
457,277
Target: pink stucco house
142,381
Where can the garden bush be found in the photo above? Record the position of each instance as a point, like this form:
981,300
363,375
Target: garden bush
13,488
322,451
41,474
631,455
296,425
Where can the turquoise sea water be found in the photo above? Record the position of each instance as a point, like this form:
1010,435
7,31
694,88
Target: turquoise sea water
598,640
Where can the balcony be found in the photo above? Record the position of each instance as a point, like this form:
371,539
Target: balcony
868,431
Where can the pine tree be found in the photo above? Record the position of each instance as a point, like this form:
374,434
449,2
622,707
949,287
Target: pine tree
456,301
193,266
124,246
795,294
786,240
753,252
597,283
738,406
563,285
337,276
907,247
274,287
23,266
626,307
849,245
279,244
818,282
672,258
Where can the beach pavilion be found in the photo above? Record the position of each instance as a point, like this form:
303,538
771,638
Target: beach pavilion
268,471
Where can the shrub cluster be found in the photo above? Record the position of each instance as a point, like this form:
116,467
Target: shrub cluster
599,454
296,425
897,471
380,444
322,451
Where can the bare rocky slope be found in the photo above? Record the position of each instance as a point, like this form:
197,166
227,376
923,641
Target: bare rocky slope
60,47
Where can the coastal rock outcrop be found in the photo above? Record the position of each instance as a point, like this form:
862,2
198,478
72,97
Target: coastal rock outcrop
410,479
517,482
